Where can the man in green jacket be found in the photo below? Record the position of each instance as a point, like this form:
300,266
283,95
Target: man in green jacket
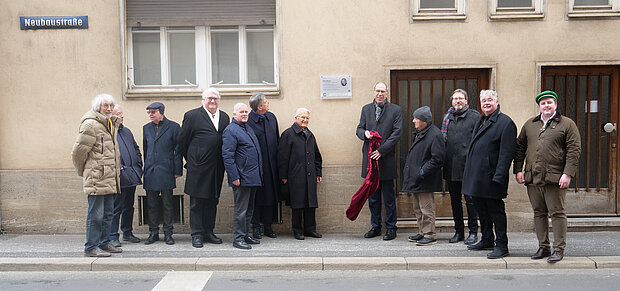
550,145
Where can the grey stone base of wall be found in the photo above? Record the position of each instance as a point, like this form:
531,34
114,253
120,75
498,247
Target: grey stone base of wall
52,201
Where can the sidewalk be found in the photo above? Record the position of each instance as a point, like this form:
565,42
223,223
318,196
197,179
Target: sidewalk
332,252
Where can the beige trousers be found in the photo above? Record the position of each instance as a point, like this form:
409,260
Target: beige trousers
424,210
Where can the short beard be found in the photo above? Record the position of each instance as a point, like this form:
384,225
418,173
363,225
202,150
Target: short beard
459,107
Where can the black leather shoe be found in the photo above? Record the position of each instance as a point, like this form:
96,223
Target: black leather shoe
168,239
131,238
497,253
153,237
481,245
313,234
390,234
256,233
471,239
457,238
242,245
298,235
269,232
115,243
375,231
211,238
415,238
251,240
555,257
197,241
426,241
541,253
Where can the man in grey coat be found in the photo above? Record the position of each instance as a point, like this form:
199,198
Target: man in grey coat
386,119
457,128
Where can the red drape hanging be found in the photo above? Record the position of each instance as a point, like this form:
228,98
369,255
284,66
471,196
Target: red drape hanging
371,183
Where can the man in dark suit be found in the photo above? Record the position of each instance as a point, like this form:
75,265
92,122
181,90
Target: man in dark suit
162,165
490,154
386,119
265,126
200,141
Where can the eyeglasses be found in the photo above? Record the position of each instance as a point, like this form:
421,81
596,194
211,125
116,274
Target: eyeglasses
214,99
152,111
304,117
458,98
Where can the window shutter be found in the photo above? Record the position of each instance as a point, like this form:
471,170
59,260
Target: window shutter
199,12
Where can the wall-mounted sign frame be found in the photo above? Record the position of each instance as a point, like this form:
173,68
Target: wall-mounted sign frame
53,22
336,87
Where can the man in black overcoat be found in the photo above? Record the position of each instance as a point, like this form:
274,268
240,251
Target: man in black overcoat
490,154
300,166
200,141
457,128
265,126
163,164
386,119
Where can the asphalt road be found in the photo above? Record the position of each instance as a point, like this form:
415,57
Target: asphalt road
601,279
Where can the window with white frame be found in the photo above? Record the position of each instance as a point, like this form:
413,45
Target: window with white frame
180,47
593,8
166,56
516,9
438,9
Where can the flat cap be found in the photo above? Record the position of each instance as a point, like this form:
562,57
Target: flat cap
157,105
546,94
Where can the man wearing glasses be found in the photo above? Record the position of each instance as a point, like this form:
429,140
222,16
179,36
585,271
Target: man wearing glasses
386,119
200,141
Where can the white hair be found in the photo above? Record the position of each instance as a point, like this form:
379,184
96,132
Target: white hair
96,103
301,110
211,90
491,93
237,106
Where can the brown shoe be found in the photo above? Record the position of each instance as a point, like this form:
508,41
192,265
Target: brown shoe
112,249
541,253
556,256
96,253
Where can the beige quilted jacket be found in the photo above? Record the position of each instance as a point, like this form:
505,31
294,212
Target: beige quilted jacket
96,156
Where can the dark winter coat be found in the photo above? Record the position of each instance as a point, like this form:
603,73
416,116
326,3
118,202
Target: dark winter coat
422,173
268,134
162,159
489,157
459,136
241,154
389,127
131,158
201,145
548,153
300,162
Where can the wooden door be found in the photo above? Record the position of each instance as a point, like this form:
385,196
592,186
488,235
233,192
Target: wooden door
433,88
589,96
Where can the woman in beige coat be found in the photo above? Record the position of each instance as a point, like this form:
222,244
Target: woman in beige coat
96,158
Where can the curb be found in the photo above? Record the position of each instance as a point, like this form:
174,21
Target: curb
300,263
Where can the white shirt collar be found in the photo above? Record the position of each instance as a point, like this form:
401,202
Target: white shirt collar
215,118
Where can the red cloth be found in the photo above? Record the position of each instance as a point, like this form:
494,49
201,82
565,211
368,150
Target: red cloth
371,183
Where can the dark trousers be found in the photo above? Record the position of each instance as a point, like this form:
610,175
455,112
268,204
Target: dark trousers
123,212
492,214
202,212
303,220
243,210
457,209
386,187
160,204
262,215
